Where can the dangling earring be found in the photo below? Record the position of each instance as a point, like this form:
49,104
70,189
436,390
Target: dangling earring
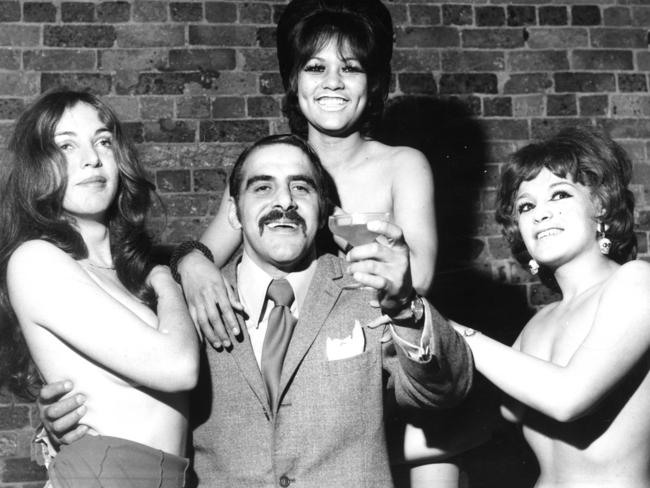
603,242
533,267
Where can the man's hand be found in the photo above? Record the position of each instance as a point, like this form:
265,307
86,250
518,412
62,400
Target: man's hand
61,417
211,300
384,265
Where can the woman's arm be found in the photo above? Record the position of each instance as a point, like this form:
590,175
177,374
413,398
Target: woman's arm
414,212
49,289
211,300
619,338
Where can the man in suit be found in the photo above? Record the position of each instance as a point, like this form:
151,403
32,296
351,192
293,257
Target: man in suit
324,426
309,409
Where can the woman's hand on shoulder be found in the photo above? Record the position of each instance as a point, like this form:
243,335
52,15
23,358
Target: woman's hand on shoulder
211,299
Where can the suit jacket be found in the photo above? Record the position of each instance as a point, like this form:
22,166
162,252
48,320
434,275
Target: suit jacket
328,428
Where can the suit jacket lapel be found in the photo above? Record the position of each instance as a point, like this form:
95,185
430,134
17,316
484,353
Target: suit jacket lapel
324,290
242,352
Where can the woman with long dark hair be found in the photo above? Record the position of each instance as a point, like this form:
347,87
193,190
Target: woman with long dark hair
577,377
83,300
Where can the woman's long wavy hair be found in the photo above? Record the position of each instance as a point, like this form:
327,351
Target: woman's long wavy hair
306,26
586,156
32,185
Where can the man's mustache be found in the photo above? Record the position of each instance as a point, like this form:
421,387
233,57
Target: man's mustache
290,215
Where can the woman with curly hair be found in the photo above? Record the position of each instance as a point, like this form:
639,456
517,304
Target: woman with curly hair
576,378
84,300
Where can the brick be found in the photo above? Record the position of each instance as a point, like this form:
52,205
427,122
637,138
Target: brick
233,130
557,38
506,129
468,83
585,15
10,59
20,35
497,107
436,36
632,82
520,15
197,107
263,107
497,152
271,84
642,242
222,35
149,11
537,60
209,180
260,59
188,205
113,12
547,127
98,84
150,35
490,16
221,12
561,105
397,13
424,14
132,59
542,295
643,60
594,59
255,13
186,11
228,108
22,470
493,38
593,105
9,12
134,131
470,104
641,16
413,83
553,16
77,12
266,37
153,108
127,82
14,417
59,60
457,15
485,224
630,105
528,106
467,60
617,16
10,108
584,82
169,130
619,38
202,59
17,84
415,60
499,248
79,35
39,12
173,181
194,155
179,230
8,445
527,83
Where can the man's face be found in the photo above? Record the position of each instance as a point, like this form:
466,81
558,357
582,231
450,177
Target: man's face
278,207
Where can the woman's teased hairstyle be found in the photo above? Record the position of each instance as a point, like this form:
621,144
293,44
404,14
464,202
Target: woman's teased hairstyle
33,182
306,26
586,156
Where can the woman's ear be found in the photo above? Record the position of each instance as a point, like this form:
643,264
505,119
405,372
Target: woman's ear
233,218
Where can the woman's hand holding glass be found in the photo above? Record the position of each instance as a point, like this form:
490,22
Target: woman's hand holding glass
211,300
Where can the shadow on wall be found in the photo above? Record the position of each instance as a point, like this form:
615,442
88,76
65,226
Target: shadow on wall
455,145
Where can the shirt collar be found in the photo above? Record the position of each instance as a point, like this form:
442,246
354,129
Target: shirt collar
253,281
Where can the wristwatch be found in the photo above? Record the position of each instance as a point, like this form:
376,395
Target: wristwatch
413,309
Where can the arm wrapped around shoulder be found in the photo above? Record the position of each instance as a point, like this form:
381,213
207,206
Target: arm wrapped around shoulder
445,378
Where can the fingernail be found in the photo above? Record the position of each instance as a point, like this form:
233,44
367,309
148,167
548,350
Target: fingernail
216,344
67,385
81,410
226,344
235,331
80,399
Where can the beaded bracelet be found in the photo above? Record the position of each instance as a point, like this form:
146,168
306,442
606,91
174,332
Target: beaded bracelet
181,250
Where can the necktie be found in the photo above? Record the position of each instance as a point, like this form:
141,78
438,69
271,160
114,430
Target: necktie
278,334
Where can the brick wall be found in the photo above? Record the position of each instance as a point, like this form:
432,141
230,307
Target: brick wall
473,80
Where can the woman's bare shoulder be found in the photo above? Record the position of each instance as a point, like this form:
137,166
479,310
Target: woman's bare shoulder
37,255
397,155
